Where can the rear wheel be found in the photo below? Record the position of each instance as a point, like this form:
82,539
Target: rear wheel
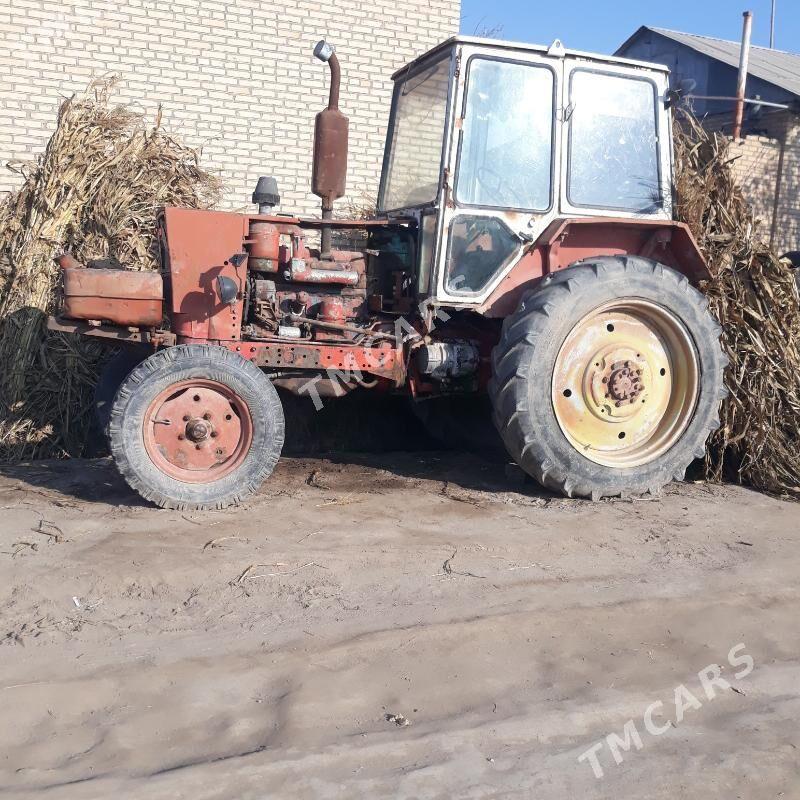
196,427
607,379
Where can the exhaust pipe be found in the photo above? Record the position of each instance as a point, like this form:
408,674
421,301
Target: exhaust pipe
331,128
741,84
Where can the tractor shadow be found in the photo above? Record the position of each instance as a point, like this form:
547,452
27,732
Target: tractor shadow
63,481
361,430
382,433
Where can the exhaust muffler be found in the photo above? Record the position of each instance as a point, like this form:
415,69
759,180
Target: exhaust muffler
331,129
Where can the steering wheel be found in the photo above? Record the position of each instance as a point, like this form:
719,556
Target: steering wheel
495,184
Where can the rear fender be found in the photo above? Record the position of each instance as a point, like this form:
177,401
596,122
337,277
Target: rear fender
566,241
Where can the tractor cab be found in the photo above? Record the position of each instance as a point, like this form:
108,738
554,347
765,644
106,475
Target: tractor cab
489,143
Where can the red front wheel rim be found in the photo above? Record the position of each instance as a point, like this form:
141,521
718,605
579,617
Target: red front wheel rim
197,431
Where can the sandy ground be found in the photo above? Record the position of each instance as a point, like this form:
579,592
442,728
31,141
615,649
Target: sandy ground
262,652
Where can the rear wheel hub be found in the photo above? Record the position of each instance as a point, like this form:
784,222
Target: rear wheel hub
625,383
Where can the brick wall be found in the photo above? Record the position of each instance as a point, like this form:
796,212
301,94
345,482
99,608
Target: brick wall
235,78
767,166
787,217
756,169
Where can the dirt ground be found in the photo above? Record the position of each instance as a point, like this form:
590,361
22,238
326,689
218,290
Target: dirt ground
266,651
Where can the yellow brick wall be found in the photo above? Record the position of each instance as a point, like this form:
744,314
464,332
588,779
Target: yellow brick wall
235,78
766,158
756,169
787,229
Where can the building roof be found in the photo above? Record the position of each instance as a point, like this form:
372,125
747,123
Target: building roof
524,46
774,66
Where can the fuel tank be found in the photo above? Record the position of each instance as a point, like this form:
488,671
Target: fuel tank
121,296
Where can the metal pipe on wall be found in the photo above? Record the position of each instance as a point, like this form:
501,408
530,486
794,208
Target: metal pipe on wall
772,27
744,60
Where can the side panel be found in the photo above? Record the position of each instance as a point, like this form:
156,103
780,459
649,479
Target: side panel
202,245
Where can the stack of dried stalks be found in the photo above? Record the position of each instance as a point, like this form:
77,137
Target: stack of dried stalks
754,296
95,192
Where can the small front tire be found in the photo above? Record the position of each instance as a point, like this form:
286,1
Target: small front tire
196,427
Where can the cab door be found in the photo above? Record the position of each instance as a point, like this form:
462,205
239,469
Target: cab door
500,191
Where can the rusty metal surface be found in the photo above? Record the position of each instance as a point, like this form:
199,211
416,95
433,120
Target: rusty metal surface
337,223
329,175
112,333
197,431
384,361
329,165
332,309
331,130
264,243
119,296
203,245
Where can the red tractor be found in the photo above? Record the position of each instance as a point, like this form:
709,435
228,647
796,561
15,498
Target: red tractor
523,248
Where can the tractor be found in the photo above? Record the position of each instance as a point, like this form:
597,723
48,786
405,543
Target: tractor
523,251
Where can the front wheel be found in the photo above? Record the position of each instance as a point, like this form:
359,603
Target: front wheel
196,427
608,378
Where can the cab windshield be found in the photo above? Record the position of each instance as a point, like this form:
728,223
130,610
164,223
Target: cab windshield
415,145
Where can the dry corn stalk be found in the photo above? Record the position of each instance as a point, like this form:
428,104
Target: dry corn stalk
754,296
95,191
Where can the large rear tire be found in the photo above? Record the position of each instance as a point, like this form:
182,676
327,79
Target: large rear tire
608,378
196,427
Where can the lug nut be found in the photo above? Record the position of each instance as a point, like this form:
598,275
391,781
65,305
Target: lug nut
206,415
185,417
197,446
214,434
181,436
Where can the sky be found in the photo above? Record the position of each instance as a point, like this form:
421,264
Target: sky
601,27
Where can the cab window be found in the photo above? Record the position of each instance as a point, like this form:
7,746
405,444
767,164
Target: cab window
478,248
613,143
416,138
507,145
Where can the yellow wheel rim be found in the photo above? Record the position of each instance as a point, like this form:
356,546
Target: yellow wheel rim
626,383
